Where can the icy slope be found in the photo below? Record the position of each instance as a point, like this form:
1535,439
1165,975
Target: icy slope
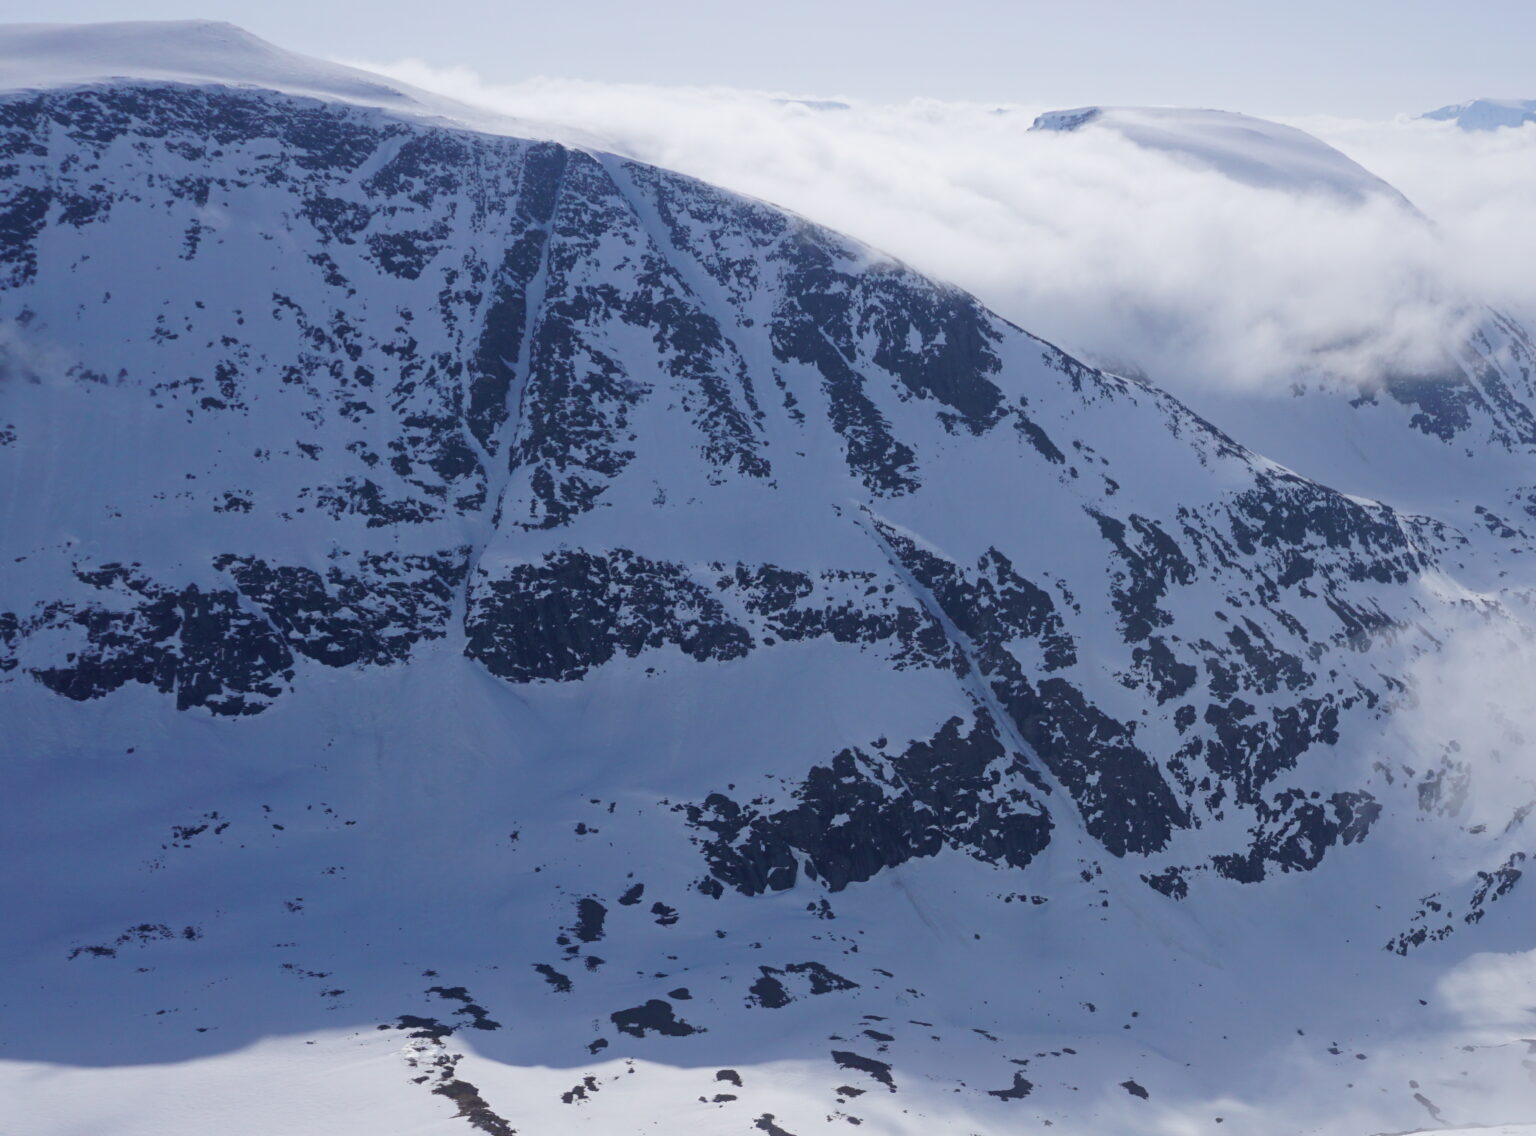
503,637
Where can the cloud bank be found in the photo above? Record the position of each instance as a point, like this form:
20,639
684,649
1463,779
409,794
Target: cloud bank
1133,258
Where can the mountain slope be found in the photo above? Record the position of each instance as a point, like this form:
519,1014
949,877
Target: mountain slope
1249,150
499,627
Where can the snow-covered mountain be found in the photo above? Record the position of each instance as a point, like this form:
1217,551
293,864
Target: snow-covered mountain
498,635
1253,151
1486,114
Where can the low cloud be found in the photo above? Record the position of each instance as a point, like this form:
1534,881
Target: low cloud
1130,257
1475,185
1471,729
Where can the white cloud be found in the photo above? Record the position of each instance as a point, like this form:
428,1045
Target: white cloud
1493,995
1121,254
1472,715
1477,187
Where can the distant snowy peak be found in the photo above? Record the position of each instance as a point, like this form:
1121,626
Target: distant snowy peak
1487,114
813,104
213,53
1249,150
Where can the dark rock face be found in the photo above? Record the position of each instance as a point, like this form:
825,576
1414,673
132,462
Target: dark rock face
438,1065
771,990
559,982
1125,801
1020,1089
376,615
1439,917
879,1070
576,610
1297,830
232,651
590,915
871,810
1320,546
1446,406
478,1017
655,1016
203,647
884,464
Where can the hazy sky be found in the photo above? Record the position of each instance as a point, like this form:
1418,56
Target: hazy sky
1362,57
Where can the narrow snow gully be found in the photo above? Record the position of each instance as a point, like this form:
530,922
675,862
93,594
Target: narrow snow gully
500,455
